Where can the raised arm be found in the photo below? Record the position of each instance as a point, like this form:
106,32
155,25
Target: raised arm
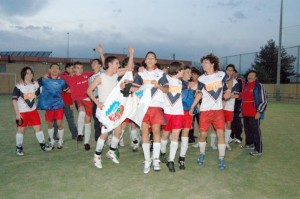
130,64
100,51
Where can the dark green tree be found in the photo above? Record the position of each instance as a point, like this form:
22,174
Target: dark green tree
265,63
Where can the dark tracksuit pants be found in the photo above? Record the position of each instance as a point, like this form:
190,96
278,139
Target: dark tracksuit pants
236,125
253,133
97,124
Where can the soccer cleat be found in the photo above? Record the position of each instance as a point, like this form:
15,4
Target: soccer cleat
238,141
213,146
97,161
147,165
221,164
228,147
255,153
111,155
196,145
87,146
171,166
46,147
156,165
121,142
79,138
247,146
19,150
163,158
181,162
200,160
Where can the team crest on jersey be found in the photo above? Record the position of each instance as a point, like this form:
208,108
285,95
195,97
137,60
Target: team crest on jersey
115,111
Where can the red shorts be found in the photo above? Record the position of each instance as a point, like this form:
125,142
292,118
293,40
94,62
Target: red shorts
31,118
214,117
88,106
173,122
187,120
52,115
154,115
228,116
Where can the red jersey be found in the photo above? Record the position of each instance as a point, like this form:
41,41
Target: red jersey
78,85
67,98
248,103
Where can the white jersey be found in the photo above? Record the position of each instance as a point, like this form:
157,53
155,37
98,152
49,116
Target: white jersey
229,104
145,77
212,90
108,83
25,95
173,100
91,79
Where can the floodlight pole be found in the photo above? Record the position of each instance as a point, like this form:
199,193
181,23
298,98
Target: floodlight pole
279,56
68,44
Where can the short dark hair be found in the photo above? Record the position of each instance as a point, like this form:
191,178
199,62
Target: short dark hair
251,71
98,60
151,52
68,65
213,59
54,64
125,62
231,66
108,60
175,67
195,70
187,67
24,71
78,63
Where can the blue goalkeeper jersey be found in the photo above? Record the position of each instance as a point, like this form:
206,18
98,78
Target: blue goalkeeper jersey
50,97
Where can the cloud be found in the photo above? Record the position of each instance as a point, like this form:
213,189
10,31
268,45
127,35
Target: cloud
22,8
239,15
230,3
32,27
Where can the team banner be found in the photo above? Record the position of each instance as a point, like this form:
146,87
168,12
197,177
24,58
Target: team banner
116,107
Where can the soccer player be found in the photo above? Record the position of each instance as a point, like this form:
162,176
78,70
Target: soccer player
189,90
173,111
51,101
228,104
254,104
23,99
213,83
154,116
78,84
105,83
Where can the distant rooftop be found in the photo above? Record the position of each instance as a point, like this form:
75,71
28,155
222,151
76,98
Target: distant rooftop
26,53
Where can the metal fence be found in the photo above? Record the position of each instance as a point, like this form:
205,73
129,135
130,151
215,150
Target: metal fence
243,62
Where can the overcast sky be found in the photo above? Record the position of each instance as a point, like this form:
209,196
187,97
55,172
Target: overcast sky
188,28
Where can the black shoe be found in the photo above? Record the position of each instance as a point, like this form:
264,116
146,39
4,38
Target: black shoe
79,138
87,146
19,150
163,158
247,146
171,166
181,163
46,147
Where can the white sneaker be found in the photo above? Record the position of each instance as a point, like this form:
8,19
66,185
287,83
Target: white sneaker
214,147
228,147
156,165
60,144
97,161
147,166
196,145
111,155
121,142
19,151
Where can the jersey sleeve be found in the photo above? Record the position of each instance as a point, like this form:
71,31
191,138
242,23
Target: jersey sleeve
224,80
40,81
138,81
200,86
16,93
235,89
163,81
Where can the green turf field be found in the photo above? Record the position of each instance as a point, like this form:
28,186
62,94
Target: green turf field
70,173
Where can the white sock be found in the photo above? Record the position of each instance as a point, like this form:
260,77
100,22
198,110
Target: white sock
184,146
146,149
19,139
133,135
213,139
173,149
114,142
163,146
156,150
227,135
100,145
40,136
202,146
51,133
222,148
87,133
80,122
61,135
